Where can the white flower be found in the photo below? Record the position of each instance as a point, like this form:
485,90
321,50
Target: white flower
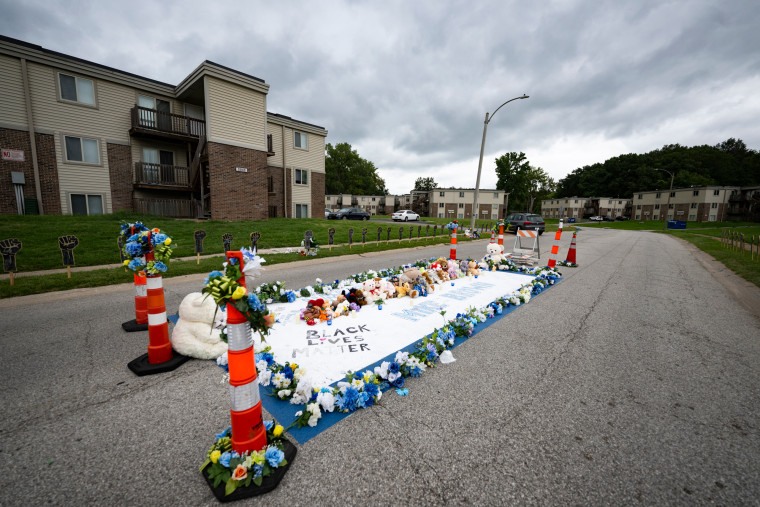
319,280
402,357
284,393
261,366
382,370
326,401
313,420
358,384
299,373
265,378
220,318
222,360
342,386
302,393
393,376
280,380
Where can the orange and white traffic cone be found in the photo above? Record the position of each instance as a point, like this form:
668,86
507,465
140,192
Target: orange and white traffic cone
501,235
140,322
571,252
493,236
248,432
159,358
453,252
555,247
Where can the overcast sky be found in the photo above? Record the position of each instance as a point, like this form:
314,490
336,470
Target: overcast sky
408,83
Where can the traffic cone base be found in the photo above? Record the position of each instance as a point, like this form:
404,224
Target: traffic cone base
571,252
141,366
132,326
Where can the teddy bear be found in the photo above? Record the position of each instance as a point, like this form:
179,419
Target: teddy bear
494,256
428,280
409,275
355,296
371,290
453,270
340,306
194,334
313,309
472,268
464,265
387,289
434,272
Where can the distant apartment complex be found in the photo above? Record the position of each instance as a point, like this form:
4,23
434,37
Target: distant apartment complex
452,203
82,138
584,207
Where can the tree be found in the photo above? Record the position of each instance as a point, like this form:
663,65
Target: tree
425,184
348,173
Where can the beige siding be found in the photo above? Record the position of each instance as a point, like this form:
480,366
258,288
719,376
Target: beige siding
236,115
276,131
179,150
312,159
83,179
301,194
12,100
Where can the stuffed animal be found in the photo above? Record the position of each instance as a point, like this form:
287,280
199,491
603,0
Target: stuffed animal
494,255
428,280
387,289
194,335
409,275
355,296
313,309
472,268
371,290
434,272
453,270
494,248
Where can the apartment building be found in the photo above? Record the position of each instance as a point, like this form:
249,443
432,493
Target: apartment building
693,204
372,204
456,203
78,137
567,207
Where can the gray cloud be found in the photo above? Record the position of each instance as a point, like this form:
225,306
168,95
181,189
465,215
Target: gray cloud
408,83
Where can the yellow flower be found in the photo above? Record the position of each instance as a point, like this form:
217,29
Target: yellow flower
239,292
215,455
126,262
258,457
168,241
277,431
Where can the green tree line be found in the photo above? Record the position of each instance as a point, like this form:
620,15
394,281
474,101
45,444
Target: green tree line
725,164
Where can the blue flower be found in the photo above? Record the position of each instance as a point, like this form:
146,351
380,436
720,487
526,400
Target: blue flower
367,400
257,471
394,367
159,266
159,238
255,303
371,389
133,249
268,424
135,265
215,273
415,372
225,458
274,456
288,372
133,237
223,433
432,356
266,356
347,402
402,392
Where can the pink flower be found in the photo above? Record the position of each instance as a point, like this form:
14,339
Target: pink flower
240,473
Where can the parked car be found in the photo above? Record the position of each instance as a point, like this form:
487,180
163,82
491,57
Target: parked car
527,221
327,213
607,218
405,215
349,214
621,218
596,219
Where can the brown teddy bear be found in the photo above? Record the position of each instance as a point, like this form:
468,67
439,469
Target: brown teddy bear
472,268
409,275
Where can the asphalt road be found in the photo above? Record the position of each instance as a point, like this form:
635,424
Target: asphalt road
634,380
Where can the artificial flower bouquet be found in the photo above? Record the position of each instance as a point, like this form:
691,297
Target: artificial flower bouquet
235,470
138,241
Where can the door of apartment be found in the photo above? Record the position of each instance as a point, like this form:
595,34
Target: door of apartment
167,166
159,115
194,113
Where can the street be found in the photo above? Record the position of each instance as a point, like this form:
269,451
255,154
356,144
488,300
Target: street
634,380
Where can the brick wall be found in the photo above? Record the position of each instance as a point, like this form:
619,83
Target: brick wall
120,173
48,170
237,195
276,197
317,195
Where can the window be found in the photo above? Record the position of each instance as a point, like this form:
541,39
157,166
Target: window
302,178
692,217
442,194
495,195
641,196
300,140
712,218
374,199
696,192
658,195
716,192
638,206
77,89
638,217
440,215
495,206
86,204
714,205
461,194
461,215
302,211
693,205
440,205
494,216
656,206
79,149
576,201
270,184
670,206
154,113
461,205
672,194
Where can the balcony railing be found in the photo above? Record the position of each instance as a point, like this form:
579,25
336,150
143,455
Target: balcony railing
147,119
178,208
161,174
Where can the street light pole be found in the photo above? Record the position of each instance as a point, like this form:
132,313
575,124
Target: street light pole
475,210
667,206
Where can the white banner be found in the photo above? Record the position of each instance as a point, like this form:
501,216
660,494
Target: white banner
354,342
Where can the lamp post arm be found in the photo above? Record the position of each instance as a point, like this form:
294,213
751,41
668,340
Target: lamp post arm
475,210
504,104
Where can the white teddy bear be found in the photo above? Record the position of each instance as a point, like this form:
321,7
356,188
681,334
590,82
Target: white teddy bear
371,290
495,253
194,335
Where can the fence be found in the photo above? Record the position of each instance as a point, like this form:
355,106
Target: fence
736,241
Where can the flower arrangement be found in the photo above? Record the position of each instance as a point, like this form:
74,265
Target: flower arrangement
224,288
568,264
236,470
139,241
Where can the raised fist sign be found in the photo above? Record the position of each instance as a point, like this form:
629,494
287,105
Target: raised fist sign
199,235
9,248
67,244
227,241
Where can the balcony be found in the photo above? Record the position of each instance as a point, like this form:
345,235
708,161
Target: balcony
161,176
176,208
151,122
